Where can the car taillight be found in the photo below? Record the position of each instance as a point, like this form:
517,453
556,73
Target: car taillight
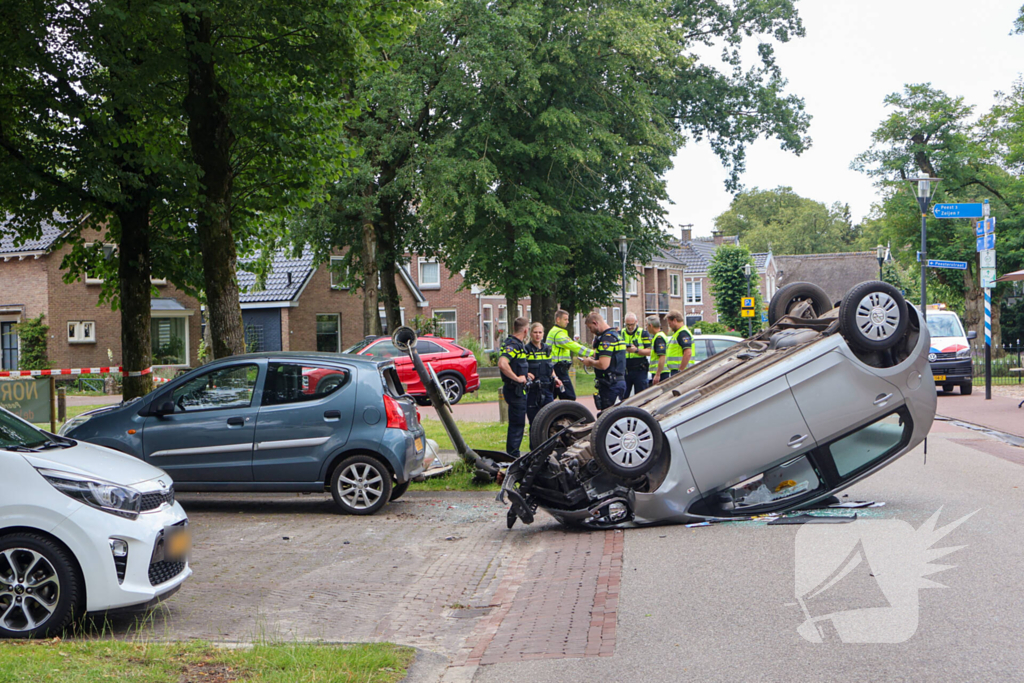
396,417
419,418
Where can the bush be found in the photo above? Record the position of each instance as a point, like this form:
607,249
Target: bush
707,327
32,334
470,342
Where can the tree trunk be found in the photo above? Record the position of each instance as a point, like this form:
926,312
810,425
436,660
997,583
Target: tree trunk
543,303
389,252
571,329
371,311
389,295
511,313
133,272
211,139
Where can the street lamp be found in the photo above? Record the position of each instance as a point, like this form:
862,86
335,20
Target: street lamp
623,242
750,321
924,198
880,254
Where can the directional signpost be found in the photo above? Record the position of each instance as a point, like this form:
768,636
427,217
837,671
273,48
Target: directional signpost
958,210
955,265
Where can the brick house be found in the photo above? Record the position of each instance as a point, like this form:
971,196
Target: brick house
83,332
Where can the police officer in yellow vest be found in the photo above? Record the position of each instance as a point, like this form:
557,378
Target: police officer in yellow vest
680,343
542,378
638,354
609,362
562,348
515,368
659,349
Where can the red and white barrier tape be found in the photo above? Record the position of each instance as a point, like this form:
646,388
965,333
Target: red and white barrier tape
77,371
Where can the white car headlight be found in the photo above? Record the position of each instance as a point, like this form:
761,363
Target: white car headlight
72,423
122,501
963,353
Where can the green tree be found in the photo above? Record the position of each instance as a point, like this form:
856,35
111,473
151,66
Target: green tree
729,284
32,337
786,223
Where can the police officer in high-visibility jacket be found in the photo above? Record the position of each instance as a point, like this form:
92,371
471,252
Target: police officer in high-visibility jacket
515,367
543,380
659,349
638,354
562,348
609,362
680,343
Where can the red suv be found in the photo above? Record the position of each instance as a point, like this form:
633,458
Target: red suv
454,365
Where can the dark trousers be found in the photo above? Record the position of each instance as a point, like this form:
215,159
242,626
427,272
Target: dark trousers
636,381
664,376
540,395
610,392
516,401
562,373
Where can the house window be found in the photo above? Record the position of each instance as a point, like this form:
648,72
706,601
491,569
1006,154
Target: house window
673,284
604,314
488,328
81,332
694,295
9,343
632,284
92,277
430,274
169,340
328,332
616,318
449,328
502,320
384,318
693,319
339,272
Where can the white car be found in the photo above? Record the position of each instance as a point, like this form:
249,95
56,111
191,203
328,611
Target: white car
707,345
82,529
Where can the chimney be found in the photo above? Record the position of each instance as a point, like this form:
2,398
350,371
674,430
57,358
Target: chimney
687,234
717,236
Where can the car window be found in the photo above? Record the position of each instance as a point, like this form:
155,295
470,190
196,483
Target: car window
359,346
14,432
944,326
295,382
700,349
230,387
719,345
868,444
425,347
383,350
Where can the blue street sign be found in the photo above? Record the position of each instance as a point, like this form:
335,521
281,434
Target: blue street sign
986,242
990,225
958,211
956,265
764,317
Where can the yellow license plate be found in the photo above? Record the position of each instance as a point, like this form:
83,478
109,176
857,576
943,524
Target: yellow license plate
940,378
419,444
178,544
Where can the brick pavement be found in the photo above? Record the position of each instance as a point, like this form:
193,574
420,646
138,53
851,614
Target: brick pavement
1000,413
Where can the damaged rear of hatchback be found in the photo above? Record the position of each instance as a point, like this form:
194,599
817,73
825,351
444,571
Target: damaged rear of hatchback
821,399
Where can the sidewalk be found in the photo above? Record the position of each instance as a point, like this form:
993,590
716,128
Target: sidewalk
94,400
1000,414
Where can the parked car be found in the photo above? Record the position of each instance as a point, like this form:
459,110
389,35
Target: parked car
274,422
950,352
82,529
822,399
707,345
454,365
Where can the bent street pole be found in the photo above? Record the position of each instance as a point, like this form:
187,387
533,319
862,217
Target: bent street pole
924,261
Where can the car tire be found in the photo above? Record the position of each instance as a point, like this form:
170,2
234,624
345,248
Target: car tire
398,490
873,316
794,293
361,485
554,417
947,388
966,389
627,442
453,387
50,597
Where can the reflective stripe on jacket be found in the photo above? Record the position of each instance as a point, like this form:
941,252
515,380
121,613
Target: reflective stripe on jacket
674,356
562,344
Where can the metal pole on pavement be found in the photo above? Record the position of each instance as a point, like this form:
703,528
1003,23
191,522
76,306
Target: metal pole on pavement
988,344
924,261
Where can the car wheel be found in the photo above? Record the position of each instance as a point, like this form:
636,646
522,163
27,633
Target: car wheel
873,316
795,293
627,442
361,485
40,591
398,490
421,400
554,417
947,388
452,388
966,389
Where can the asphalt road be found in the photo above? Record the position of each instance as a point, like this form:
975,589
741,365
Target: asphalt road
718,603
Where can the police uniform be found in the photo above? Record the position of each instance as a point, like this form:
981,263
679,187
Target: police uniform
636,363
562,346
540,366
678,342
611,383
514,393
659,348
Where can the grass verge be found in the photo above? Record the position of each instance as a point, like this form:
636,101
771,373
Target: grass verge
191,662
488,435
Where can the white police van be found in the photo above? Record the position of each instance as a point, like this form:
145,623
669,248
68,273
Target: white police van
950,352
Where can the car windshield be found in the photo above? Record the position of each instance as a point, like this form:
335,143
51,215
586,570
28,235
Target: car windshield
944,326
15,433
356,348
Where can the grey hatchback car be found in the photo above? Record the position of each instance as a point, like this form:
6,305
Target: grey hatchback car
274,422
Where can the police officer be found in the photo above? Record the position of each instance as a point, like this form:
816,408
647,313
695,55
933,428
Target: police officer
659,349
562,348
609,362
680,343
514,368
638,354
541,372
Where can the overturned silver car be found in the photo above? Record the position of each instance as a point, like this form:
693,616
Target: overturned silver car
823,398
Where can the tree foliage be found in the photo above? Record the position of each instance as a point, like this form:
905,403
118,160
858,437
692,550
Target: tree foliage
729,284
33,335
783,222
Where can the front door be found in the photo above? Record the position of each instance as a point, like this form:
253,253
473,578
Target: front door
305,415
209,436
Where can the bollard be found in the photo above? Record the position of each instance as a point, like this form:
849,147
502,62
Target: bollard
502,408
53,405
62,404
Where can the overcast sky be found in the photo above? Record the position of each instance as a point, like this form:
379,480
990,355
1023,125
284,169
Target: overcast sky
854,54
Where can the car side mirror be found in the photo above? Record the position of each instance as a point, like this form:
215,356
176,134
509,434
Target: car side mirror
165,408
973,334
